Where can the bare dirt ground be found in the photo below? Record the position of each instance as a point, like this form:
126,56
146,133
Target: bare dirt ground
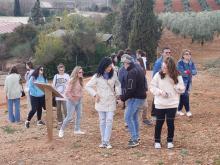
196,138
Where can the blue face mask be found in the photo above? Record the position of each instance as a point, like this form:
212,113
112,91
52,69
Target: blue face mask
106,75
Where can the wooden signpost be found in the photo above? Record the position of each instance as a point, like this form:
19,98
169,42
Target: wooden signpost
49,92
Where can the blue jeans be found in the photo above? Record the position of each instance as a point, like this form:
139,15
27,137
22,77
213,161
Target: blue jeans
105,124
71,108
131,117
11,116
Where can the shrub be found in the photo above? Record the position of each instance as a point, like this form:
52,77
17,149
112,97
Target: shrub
48,48
168,5
186,5
204,5
200,26
218,2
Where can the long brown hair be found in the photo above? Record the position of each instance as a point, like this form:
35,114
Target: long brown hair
172,70
74,76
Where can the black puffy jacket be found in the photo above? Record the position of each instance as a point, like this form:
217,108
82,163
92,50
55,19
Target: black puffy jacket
136,85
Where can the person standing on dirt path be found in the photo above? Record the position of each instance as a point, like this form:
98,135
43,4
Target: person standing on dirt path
187,69
59,83
166,52
135,95
74,95
13,90
166,86
37,96
30,70
107,92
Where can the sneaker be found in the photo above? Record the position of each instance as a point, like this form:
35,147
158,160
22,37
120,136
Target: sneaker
79,132
60,123
180,113
133,143
147,122
130,140
61,133
108,146
157,145
102,145
40,122
27,124
126,125
170,145
188,114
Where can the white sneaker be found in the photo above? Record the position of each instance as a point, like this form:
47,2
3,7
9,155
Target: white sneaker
157,145
61,133
102,145
180,113
79,132
108,146
170,145
188,114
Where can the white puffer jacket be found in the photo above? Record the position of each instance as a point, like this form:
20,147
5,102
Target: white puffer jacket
106,89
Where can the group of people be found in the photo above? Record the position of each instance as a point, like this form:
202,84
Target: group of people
119,79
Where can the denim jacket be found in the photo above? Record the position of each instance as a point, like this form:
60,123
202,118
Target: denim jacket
187,78
157,65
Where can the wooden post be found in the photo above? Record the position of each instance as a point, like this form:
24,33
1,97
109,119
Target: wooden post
49,92
49,108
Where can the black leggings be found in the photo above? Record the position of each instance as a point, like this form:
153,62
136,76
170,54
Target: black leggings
37,103
170,116
153,113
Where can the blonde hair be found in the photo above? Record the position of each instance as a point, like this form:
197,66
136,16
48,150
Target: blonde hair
184,52
74,76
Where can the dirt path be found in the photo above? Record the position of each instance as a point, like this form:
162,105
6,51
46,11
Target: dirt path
196,139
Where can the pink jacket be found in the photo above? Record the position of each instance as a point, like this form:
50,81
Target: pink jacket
74,93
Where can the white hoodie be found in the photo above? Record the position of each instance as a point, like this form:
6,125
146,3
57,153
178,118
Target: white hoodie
166,93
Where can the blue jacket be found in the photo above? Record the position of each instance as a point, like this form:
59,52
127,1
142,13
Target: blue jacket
187,78
157,65
33,89
122,76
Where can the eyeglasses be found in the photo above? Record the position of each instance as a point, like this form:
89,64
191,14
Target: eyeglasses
80,72
42,69
168,52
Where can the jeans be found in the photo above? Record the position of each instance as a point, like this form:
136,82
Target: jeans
105,124
11,116
170,117
131,117
125,111
184,101
71,108
59,110
37,103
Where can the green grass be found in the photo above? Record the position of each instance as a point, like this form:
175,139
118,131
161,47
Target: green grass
217,161
139,154
8,129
